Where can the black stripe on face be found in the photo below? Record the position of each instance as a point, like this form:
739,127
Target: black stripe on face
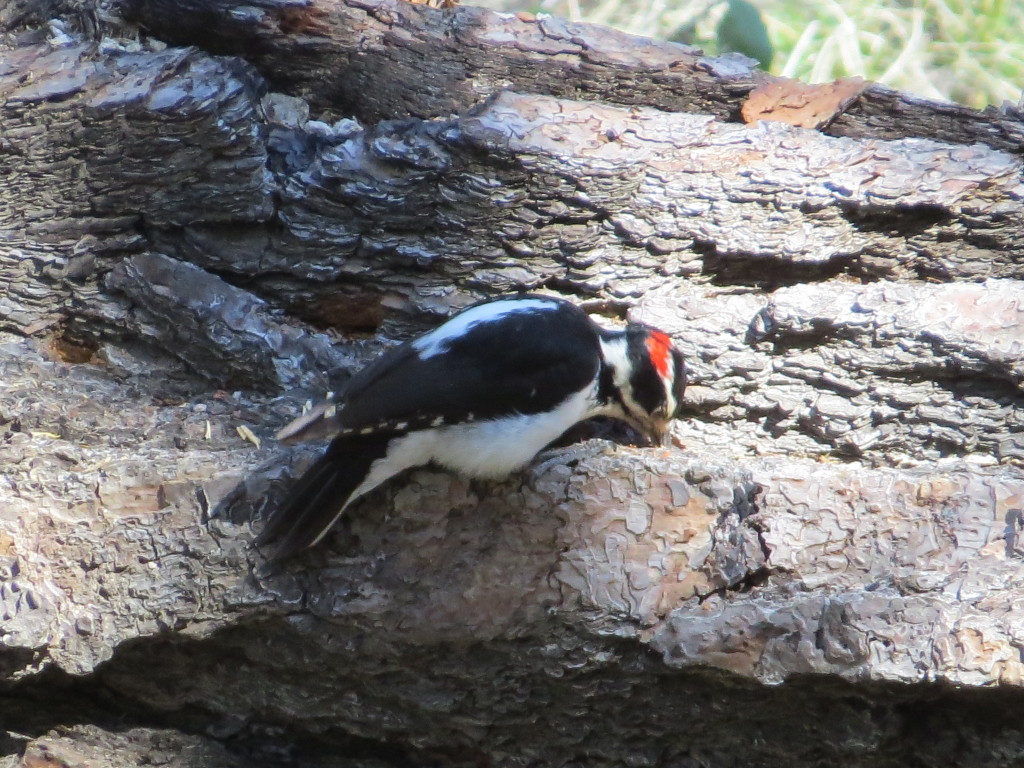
647,387
607,392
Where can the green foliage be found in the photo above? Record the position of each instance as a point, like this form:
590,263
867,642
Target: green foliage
742,29
970,51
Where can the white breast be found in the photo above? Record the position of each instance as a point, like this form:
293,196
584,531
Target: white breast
496,448
486,449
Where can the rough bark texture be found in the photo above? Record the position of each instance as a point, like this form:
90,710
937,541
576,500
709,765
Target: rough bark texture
213,211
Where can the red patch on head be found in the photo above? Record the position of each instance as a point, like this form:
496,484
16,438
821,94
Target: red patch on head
659,347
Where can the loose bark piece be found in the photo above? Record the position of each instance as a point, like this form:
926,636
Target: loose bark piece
806,106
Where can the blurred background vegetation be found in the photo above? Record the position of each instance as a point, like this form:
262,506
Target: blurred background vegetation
968,51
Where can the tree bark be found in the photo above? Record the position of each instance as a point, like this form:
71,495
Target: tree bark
213,211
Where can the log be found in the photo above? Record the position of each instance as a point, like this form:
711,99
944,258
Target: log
378,60
214,212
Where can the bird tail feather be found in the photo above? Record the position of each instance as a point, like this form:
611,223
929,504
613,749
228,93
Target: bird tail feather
320,422
321,494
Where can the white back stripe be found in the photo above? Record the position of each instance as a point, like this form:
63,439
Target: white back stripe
438,340
616,355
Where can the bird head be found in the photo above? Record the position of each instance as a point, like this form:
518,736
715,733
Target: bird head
643,378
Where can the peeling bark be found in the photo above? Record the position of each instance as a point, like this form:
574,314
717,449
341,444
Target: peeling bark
829,569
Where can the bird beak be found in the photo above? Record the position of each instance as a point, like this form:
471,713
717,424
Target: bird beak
657,432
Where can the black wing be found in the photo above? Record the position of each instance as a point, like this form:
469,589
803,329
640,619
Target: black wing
526,362
523,362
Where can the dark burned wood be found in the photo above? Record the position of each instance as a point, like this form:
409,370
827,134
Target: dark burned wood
838,519
118,747
884,113
97,148
224,332
379,59
520,192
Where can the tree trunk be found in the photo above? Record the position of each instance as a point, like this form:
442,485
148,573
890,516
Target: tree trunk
214,211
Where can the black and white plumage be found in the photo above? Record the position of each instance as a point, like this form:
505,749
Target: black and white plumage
481,395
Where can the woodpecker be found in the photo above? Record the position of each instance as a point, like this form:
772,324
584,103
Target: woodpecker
481,395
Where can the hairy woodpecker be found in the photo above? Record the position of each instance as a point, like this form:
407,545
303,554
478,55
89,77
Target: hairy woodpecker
480,395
